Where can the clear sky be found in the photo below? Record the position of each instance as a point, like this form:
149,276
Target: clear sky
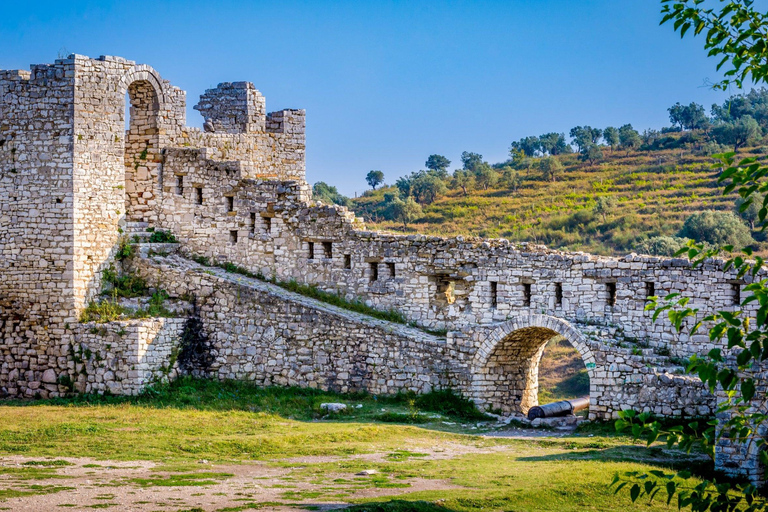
387,83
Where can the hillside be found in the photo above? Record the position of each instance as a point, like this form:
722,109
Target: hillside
653,193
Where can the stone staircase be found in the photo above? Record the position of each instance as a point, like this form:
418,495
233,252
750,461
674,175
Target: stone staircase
137,231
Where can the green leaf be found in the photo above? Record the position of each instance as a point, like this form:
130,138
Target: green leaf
747,389
634,493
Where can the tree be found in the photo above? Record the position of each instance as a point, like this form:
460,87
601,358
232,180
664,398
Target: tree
689,117
749,210
754,103
404,211
583,136
486,176
735,34
629,138
528,146
510,178
321,191
553,143
426,187
374,178
550,168
438,163
464,180
591,153
604,205
471,160
737,134
611,137
404,186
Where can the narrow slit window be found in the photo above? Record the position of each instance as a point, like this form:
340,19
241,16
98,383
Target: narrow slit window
392,272
267,224
347,261
311,250
230,203
199,195
526,294
253,222
374,271
735,294
233,236
558,294
650,289
611,289
494,294
180,185
328,250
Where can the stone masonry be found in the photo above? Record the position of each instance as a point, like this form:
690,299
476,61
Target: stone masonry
75,178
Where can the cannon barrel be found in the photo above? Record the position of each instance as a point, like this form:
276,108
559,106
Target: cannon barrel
562,408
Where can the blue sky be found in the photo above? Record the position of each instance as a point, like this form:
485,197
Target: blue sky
387,83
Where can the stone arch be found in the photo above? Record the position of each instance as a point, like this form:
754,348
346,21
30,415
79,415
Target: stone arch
143,87
505,366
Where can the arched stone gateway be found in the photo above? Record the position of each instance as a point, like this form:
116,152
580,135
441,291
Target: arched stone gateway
505,368
143,87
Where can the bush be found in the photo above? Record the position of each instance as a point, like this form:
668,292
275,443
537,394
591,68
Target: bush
717,228
660,245
162,237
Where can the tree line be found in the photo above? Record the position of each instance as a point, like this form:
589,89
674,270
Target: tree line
740,121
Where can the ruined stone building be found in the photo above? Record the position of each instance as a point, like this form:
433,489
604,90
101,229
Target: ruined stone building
75,184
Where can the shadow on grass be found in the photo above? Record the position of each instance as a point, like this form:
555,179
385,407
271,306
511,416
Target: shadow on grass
398,506
698,464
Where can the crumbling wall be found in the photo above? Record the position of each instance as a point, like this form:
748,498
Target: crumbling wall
124,357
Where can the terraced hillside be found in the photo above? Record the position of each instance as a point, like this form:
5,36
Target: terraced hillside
653,192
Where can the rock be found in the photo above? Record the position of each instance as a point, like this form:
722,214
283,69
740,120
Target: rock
367,472
49,376
333,407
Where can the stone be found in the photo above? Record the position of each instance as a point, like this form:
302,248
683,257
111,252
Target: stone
49,376
333,407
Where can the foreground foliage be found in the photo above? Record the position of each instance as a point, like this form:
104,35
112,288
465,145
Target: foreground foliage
735,32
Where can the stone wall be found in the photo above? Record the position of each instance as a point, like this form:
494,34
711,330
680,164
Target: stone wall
71,176
37,237
124,357
271,228
265,334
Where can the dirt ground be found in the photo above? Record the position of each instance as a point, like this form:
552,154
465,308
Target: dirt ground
87,484
66,483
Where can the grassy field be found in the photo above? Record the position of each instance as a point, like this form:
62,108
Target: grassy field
654,193
239,445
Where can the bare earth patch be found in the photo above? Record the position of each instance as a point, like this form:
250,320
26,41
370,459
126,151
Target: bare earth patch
66,483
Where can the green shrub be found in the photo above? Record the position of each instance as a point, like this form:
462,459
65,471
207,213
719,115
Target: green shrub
102,312
162,237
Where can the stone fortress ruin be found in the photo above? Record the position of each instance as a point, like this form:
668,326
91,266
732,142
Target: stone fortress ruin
75,185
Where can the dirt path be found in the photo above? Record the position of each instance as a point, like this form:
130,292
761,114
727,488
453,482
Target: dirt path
66,483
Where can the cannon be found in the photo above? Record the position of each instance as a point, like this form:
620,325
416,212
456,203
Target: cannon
562,408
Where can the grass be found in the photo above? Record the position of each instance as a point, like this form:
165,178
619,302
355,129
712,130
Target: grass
654,192
109,310
232,422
